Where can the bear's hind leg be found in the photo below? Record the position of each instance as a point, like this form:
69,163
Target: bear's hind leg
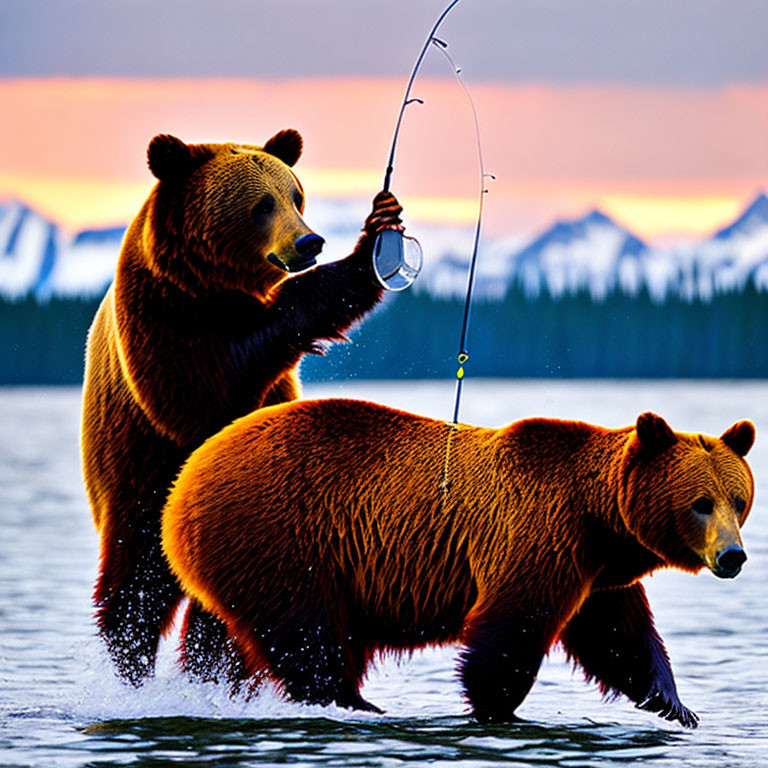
315,667
348,697
208,653
135,602
614,640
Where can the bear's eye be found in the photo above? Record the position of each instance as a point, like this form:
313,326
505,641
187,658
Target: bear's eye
739,504
703,506
298,199
264,206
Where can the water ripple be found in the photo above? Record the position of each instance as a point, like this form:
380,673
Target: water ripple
61,706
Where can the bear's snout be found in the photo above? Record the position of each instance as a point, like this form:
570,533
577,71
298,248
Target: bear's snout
728,562
308,247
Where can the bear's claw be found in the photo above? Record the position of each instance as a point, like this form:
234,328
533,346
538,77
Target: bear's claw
669,708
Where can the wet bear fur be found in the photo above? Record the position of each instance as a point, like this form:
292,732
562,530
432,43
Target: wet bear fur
323,532
204,322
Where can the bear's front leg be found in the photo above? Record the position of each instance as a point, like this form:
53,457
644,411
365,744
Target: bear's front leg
614,640
324,302
501,660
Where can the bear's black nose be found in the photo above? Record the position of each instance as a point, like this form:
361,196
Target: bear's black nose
310,245
729,562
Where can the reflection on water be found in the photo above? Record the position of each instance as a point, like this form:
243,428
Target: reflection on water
324,741
60,704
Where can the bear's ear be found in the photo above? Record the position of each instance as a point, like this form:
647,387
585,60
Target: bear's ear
171,159
285,145
654,433
740,437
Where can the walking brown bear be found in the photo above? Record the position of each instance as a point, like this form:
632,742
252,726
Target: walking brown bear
199,327
322,532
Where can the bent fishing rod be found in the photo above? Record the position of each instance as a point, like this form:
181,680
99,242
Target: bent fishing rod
407,96
397,258
392,264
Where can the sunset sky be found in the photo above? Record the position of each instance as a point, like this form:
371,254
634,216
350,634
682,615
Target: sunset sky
655,111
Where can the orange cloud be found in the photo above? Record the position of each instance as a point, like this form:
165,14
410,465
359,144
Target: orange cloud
663,160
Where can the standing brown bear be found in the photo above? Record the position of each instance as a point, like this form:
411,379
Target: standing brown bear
199,327
323,532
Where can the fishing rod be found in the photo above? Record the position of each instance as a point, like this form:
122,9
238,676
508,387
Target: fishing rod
407,96
463,354
397,258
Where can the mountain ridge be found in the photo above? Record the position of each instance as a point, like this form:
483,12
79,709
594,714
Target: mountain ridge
591,252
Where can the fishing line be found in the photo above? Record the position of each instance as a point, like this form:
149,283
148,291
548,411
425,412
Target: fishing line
397,259
463,354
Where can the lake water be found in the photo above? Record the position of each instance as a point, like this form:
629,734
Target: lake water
60,704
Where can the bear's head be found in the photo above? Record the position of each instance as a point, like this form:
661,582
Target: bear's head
685,496
228,216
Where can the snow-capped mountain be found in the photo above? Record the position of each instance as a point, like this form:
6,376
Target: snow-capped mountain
737,253
595,253
754,217
36,259
591,253
86,264
29,246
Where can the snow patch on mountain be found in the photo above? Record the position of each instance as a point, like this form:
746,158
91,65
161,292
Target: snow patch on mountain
86,265
29,245
37,260
590,252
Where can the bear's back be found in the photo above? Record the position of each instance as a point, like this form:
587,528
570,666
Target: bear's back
310,440
269,467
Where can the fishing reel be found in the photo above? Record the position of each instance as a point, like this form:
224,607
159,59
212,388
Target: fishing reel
397,259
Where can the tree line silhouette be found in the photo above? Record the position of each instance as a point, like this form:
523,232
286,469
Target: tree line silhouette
412,335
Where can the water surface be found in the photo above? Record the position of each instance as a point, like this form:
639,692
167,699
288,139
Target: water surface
60,704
